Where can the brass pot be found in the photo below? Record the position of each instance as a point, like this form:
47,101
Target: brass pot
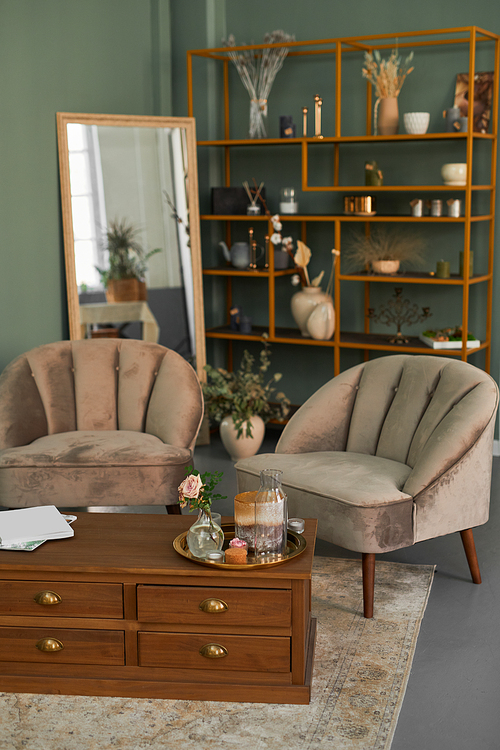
360,205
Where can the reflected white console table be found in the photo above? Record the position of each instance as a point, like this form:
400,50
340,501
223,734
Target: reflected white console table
121,312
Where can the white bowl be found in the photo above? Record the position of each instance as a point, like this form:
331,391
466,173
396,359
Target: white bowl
454,174
416,123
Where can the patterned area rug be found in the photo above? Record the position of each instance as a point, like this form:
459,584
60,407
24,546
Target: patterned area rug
360,674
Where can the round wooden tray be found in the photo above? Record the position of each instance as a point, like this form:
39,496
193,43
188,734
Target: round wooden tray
295,545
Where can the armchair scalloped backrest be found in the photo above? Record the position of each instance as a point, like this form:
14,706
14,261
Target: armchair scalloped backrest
397,407
113,384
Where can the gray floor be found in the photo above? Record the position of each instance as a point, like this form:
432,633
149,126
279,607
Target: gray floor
453,697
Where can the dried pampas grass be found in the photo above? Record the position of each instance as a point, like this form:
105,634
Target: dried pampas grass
385,244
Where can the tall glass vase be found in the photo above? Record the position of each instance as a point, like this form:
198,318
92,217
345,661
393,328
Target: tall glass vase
271,514
258,118
205,535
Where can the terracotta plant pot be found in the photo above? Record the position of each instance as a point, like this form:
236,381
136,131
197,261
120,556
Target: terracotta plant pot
126,290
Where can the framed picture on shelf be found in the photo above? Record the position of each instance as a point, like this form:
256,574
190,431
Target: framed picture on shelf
483,89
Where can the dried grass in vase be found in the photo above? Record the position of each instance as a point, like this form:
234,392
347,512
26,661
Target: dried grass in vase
384,244
387,76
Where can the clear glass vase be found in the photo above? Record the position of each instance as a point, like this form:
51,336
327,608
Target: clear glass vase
205,535
271,514
258,117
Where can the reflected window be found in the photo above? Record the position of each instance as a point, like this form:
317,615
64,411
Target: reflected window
87,201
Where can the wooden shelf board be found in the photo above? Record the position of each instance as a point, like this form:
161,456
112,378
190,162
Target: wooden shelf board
254,274
410,277
368,341
392,188
349,218
342,139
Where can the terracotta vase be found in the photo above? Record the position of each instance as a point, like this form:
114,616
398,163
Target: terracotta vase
388,116
241,447
304,302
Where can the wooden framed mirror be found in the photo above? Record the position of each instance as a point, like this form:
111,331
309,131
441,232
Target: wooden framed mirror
140,174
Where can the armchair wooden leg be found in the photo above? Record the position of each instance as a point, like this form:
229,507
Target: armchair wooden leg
470,552
368,566
174,510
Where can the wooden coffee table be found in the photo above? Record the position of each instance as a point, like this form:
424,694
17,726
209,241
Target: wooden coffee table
115,610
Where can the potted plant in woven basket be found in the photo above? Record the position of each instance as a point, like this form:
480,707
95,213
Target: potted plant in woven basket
124,279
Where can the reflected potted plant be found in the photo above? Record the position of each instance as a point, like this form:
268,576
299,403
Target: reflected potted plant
240,402
124,279
384,250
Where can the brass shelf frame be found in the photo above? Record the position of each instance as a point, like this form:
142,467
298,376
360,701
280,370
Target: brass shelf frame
337,47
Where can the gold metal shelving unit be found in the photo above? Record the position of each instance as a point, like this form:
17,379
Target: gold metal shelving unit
366,341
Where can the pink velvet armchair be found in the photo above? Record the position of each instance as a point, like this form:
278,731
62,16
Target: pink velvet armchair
97,422
389,453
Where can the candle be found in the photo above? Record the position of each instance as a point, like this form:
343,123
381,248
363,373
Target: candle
443,269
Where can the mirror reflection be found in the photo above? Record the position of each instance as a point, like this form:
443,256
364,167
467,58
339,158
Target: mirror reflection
130,215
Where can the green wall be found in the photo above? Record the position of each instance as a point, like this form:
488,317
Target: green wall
129,56
110,56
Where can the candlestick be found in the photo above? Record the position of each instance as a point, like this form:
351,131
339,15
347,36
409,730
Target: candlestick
318,103
304,121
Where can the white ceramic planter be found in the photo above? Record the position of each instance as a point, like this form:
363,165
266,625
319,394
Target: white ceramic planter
385,266
303,303
454,174
321,322
416,123
242,447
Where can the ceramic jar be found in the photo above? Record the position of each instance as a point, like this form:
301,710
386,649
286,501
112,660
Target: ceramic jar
385,266
454,174
242,447
304,302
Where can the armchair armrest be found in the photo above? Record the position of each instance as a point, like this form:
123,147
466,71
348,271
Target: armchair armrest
322,423
22,415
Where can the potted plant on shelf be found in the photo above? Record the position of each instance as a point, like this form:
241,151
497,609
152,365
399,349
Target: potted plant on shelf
385,250
124,279
240,402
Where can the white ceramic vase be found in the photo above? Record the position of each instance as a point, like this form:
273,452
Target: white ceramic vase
304,302
321,322
244,446
416,123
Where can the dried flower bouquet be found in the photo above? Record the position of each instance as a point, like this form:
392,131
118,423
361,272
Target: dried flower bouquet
387,76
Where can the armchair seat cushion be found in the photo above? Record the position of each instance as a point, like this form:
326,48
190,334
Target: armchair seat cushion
87,467
92,448
357,498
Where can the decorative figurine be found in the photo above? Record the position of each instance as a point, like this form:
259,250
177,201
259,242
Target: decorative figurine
398,311
373,175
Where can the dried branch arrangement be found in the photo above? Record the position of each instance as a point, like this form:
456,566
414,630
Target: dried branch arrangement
257,72
389,75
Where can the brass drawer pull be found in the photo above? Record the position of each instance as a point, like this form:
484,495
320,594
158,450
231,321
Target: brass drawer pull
213,605
213,651
48,597
47,645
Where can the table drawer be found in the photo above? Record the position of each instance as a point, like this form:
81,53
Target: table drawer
62,646
197,605
214,652
61,599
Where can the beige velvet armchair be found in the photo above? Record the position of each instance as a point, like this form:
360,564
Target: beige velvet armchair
389,453
97,422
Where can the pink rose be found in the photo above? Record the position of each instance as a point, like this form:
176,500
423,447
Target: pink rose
191,487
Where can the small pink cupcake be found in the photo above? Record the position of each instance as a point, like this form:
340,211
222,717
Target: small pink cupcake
236,554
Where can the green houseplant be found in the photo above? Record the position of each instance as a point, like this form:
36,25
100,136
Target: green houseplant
124,279
242,402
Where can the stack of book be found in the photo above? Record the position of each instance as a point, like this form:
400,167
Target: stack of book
28,528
